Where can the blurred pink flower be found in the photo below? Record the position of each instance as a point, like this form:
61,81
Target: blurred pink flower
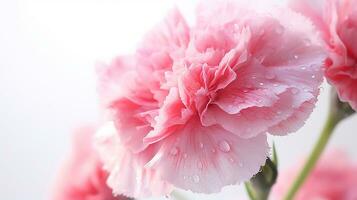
337,22
82,177
194,104
334,178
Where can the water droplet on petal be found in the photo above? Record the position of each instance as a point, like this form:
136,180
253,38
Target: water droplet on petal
270,75
236,26
201,145
254,77
184,177
196,178
245,90
261,84
185,155
275,85
294,90
231,159
199,165
303,67
296,56
313,76
213,150
224,146
174,151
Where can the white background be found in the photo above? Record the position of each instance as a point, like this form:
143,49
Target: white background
48,50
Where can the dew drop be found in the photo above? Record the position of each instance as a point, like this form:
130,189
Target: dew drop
296,56
254,77
185,155
245,90
236,26
201,145
231,159
184,177
270,75
199,165
174,151
275,85
294,90
224,146
196,178
261,84
303,67
313,76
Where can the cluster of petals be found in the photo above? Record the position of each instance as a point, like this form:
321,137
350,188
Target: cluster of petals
333,178
337,22
82,176
191,108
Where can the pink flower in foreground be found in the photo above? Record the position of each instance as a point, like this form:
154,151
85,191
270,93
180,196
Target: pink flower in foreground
337,22
334,178
194,104
82,176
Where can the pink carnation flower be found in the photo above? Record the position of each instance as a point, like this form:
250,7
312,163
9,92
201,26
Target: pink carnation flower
194,104
334,178
337,22
82,176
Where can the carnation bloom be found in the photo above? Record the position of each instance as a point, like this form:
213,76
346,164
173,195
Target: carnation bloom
194,104
333,178
82,177
337,22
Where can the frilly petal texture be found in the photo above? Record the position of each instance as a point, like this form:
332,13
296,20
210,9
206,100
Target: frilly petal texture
337,23
193,105
128,173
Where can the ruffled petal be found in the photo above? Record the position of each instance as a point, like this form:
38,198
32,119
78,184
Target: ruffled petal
127,174
205,159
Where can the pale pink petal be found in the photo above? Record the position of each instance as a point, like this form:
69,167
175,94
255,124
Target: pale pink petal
204,159
337,23
127,174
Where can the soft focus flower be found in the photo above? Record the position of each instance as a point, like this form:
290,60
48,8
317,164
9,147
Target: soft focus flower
337,22
333,178
82,177
194,104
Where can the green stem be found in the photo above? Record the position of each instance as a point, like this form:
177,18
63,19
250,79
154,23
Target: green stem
249,190
319,147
